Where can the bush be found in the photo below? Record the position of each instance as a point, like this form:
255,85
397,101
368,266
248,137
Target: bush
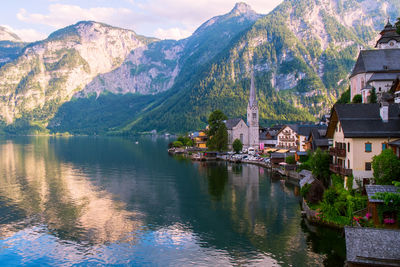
290,160
177,144
304,190
357,99
237,145
386,167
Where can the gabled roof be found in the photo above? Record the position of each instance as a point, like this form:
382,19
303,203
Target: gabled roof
379,60
384,77
294,127
373,189
232,123
364,120
305,130
372,247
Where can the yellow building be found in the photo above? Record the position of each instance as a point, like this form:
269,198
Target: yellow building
359,132
200,139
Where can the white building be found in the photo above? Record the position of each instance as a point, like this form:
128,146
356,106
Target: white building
377,68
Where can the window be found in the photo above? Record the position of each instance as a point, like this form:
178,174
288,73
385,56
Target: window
368,147
348,147
241,138
348,164
384,146
254,116
367,166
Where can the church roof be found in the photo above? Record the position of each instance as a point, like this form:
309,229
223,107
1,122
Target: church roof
232,123
387,34
384,76
379,60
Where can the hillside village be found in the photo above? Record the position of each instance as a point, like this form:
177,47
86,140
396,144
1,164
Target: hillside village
353,139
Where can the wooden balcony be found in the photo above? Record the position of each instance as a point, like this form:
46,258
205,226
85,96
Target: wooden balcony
337,152
340,170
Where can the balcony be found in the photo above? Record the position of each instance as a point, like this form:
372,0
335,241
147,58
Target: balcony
340,170
337,152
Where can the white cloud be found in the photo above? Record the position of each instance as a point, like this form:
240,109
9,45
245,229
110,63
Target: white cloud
170,19
27,35
172,33
61,15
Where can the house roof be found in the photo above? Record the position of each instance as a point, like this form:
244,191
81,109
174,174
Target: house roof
395,143
364,120
373,189
372,246
379,60
384,77
232,123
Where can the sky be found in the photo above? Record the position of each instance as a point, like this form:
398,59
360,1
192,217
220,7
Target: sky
164,19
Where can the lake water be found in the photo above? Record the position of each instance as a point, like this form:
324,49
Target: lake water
97,201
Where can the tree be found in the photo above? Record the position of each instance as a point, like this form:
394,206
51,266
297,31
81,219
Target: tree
372,98
237,145
319,162
217,131
357,99
386,167
397,24
345,97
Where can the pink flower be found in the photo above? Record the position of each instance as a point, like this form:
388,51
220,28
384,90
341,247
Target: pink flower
388,221
368,215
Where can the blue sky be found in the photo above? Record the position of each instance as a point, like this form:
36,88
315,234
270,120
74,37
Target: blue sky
175,19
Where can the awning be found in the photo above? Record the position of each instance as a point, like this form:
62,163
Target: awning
282,151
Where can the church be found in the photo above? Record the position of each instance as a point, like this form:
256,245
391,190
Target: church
247,133
377,68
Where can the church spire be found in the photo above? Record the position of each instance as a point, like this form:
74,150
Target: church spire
253,97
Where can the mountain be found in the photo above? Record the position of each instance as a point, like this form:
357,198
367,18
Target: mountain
10,46
49,72
302,53
94,78
154,68
7,35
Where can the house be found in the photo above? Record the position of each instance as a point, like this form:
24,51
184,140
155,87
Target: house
377,68
268,136
372,247
200,139
317,139
395,90
373,204
359,132
395,146
247,133
287,136
303,132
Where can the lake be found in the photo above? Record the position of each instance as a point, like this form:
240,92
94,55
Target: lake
109,201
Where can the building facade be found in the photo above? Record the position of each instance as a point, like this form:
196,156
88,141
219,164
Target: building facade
377,68
359,132
247,133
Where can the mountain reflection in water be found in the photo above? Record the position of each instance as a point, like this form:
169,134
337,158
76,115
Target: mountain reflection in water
88,200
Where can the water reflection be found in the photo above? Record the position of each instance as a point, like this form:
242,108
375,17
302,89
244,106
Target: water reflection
44,190
95,201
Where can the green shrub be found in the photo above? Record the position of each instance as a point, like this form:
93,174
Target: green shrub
177,144
304,190
290,160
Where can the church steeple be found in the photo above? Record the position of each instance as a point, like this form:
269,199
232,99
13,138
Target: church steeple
253,97
252,115
389,37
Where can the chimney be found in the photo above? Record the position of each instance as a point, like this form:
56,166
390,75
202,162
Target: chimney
384,111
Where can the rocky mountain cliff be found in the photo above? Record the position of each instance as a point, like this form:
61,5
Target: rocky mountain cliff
49,72
10,46
302,53
154,68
